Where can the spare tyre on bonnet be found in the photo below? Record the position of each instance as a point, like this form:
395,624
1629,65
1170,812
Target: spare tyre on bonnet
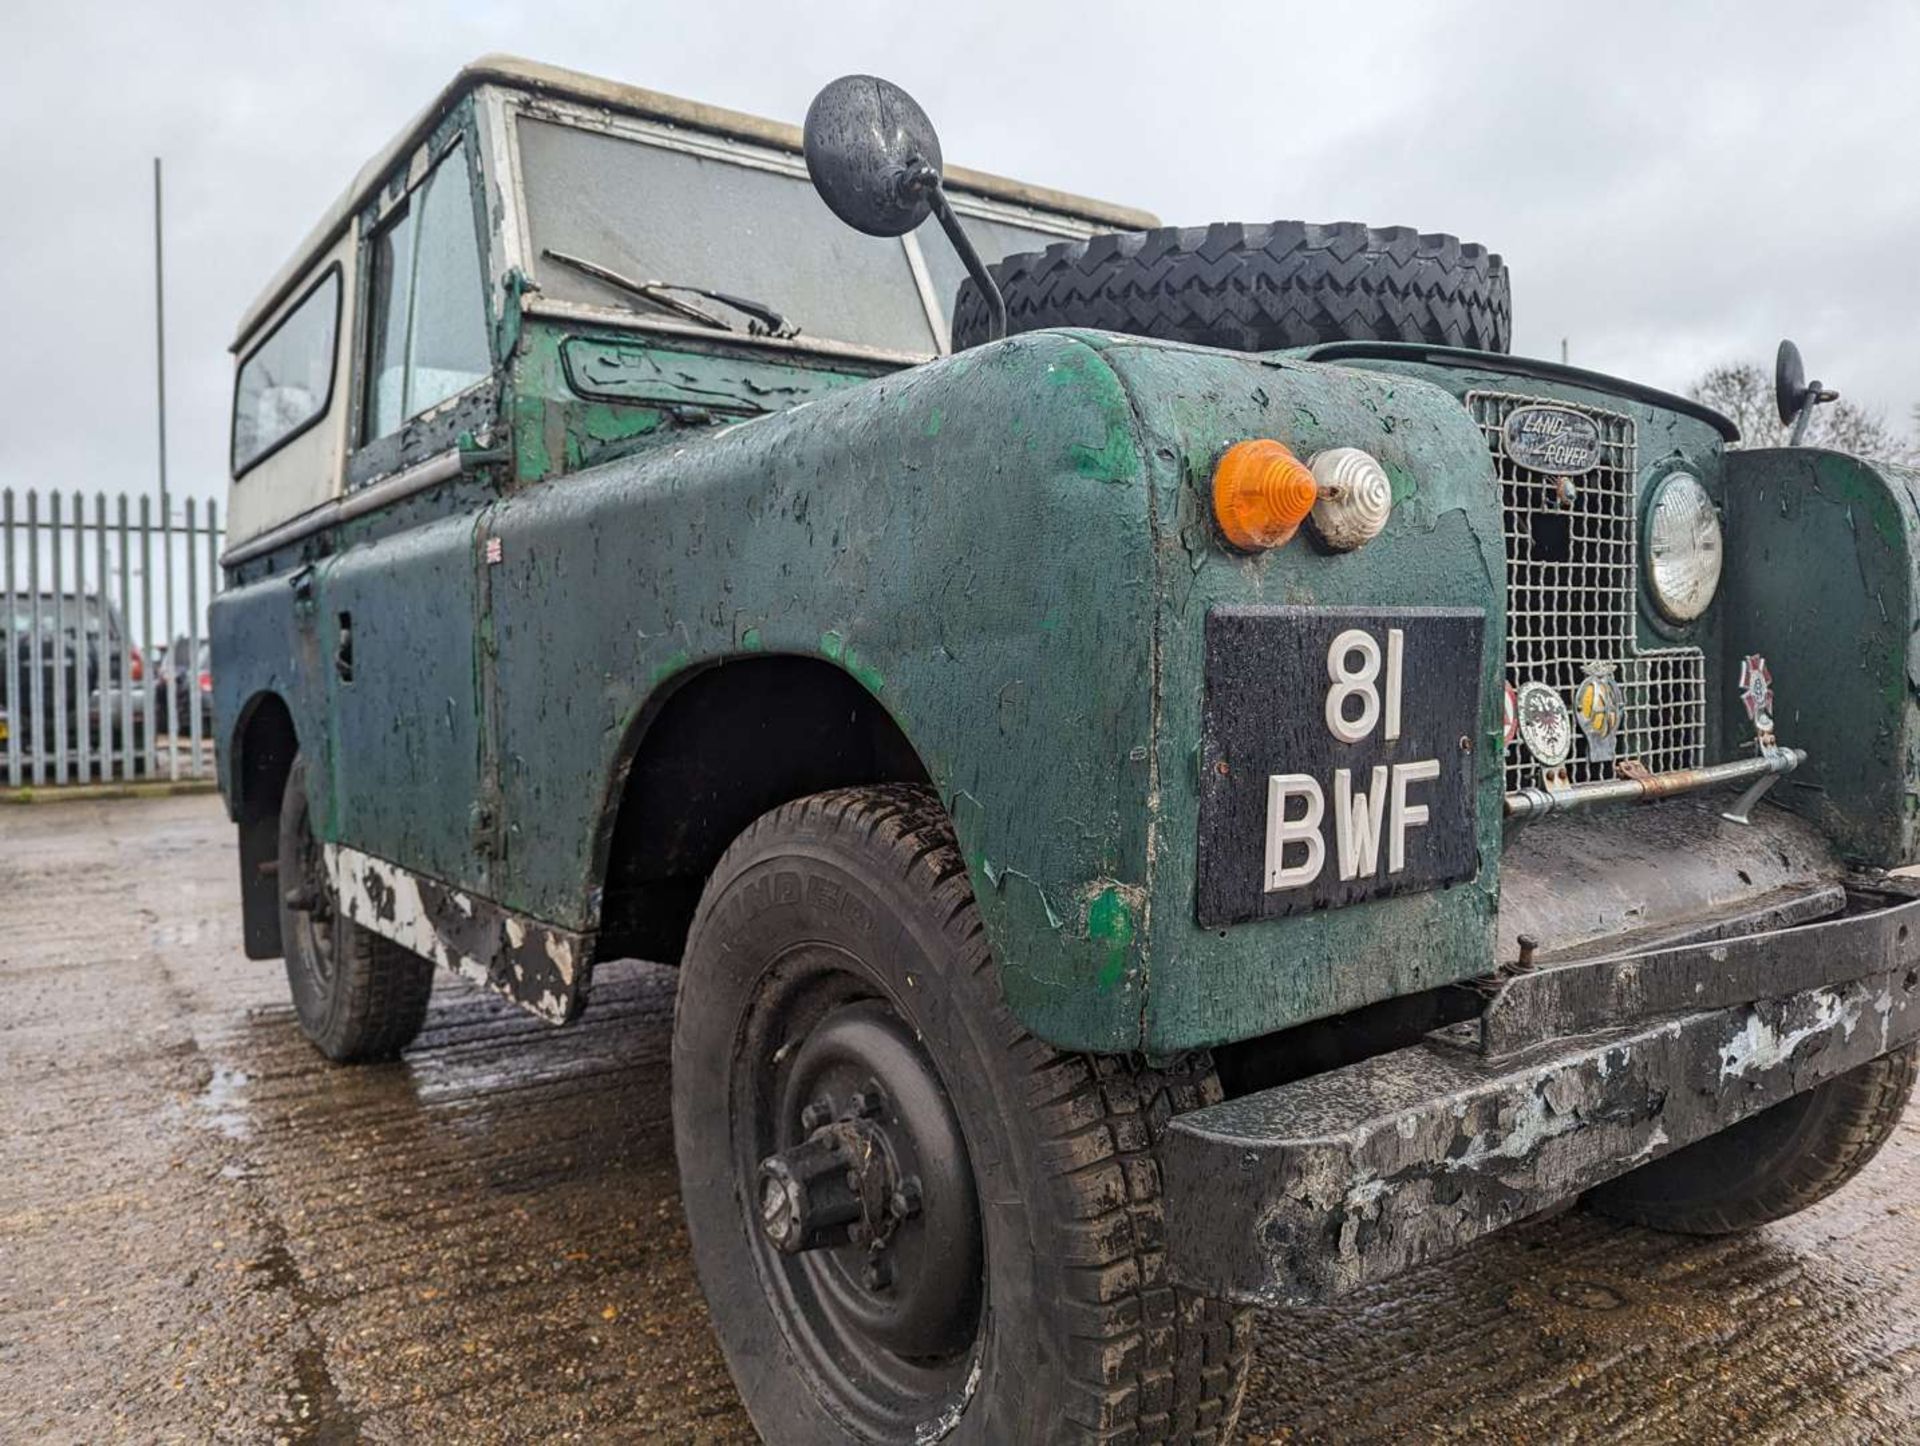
1256,287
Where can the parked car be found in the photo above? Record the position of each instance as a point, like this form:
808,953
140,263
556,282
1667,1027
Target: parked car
1233,790
59,638
185,671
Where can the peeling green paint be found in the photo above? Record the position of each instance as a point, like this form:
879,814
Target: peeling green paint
673,663
834,646
1114,460
1110,927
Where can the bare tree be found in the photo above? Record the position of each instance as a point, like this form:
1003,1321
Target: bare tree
1745,393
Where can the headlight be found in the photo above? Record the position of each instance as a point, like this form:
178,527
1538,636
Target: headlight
1683,548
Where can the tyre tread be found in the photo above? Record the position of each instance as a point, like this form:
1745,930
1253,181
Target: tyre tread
1256,287
1157,1363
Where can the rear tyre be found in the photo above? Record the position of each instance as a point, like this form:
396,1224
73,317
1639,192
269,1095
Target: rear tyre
358,997
1256,287
1770,1166
980,1251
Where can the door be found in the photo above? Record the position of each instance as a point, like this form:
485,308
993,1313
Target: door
396,608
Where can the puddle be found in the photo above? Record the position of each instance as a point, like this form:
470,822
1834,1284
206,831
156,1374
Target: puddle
223,1103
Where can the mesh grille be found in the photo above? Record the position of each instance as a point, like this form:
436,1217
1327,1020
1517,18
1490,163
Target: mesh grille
1572,575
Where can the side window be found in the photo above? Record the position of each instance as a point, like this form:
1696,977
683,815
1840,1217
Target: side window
285,384
427,317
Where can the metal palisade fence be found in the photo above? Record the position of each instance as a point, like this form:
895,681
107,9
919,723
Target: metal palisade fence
104,672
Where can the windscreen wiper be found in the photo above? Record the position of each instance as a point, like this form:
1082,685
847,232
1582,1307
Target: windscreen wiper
763,319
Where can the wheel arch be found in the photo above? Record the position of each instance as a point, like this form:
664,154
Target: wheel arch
713,748
264,744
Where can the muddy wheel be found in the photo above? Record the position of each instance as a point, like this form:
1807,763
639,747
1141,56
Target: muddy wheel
358,997
1772,1165
913,1220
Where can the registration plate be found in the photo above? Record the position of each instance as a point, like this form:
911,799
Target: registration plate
1337,757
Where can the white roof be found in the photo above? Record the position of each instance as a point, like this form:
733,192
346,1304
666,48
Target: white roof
529,75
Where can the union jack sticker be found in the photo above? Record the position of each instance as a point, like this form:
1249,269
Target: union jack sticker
1511,721
493,550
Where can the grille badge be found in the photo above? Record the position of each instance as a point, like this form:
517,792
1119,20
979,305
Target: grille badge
1544,725
1756,693
1599,709
1553,440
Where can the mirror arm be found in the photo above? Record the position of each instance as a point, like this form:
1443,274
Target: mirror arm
925,179
1816,395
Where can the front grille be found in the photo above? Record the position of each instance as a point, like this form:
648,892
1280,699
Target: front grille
1572,580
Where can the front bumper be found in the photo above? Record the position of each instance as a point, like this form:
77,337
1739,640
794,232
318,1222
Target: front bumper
1576,1073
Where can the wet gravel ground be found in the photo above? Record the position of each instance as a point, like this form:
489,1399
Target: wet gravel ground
207,1233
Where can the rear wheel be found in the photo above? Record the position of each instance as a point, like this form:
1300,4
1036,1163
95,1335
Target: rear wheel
1770,1166
913,1220
358,997
1256,287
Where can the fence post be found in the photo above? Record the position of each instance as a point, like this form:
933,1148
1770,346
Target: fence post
213,588
193,650
125,590
11,634
110,656
146,627
166,575
84,668
36,675
61,686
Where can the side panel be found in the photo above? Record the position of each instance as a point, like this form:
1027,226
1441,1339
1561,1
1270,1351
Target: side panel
969,541
1820,579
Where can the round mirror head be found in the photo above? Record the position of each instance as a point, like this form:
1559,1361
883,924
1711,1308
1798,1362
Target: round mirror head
867,140
1789,382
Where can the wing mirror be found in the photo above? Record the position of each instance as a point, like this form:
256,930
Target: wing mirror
875,160
1793,394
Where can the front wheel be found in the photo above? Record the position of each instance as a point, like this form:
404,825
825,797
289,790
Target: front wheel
913,1221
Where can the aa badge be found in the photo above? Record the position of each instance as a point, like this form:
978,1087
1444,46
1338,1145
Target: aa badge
1599,708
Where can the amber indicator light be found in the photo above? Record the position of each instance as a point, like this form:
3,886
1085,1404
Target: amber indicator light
1261,494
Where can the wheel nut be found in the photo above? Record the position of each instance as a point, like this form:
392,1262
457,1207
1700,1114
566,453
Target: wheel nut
904,1203
878,1274
867,1102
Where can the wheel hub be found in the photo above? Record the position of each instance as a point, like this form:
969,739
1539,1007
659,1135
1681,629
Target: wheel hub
873,1199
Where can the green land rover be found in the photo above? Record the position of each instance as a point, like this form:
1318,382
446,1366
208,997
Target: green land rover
1230,791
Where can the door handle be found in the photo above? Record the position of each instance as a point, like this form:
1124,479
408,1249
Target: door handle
343,649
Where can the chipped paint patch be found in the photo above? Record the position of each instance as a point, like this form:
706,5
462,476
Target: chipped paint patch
1110,914
1763,1045
834,645
534,964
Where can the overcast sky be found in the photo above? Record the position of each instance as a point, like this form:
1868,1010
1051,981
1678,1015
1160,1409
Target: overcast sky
1669,192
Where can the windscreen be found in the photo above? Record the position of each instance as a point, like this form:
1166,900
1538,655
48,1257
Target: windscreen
655,214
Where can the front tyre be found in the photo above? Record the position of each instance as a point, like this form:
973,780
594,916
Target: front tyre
913,1221
358,997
